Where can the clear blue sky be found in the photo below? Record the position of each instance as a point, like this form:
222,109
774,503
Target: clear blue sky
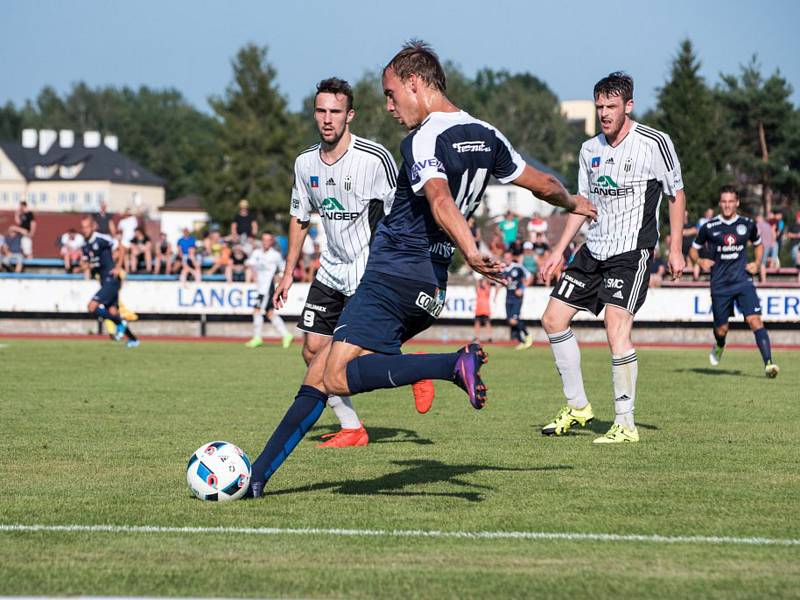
188,44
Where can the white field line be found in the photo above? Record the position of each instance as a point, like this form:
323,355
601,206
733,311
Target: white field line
408,533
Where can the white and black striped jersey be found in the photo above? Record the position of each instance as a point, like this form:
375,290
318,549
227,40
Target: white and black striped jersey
351,197
625,183
265,264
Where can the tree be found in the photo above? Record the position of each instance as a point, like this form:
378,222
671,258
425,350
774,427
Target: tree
10,123
763,124
688,113
258,140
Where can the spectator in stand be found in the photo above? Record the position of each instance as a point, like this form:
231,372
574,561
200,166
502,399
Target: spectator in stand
483,309
529,262
496,245
793,235
105,220
779,228
217,250
72,250
516,246
237,269
541,251
244,224
12,258
704,253
536,225
476,231
657,268
141,251
689,233
127,229
164,252
190,263
25,226
767,234
509,227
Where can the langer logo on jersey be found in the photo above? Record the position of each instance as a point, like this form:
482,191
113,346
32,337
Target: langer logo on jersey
331,208
606,186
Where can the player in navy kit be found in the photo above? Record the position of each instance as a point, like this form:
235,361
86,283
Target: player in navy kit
98,252
516,276
448,159
726,237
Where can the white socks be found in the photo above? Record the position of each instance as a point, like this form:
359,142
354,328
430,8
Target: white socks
278,324
343,409
624,369
568,362
258,324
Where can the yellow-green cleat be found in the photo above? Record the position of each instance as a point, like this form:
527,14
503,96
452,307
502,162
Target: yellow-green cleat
255,342
566,418
618,435
287,339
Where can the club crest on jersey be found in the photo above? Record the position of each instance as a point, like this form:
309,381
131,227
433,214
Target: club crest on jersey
314,181
628,165
596,162
348,183
741,229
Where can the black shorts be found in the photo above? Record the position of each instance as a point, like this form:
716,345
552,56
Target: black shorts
590,284
482,319
264,301
324,306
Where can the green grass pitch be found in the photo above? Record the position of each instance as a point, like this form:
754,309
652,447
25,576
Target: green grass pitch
96,434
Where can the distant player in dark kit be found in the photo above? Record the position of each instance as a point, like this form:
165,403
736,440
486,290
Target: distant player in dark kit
726,237
516,276
448,159
98,252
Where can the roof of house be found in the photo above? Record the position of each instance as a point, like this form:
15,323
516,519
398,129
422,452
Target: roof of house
99,164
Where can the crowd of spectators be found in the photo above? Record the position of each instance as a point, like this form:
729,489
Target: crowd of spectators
191,256
17,244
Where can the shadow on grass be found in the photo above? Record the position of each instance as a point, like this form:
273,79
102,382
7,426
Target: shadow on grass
709,371
598,426
415,473
377,435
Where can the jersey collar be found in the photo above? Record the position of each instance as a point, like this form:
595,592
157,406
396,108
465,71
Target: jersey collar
729,221
349,147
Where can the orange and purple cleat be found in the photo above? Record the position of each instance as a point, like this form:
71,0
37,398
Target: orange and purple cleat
345,438
466,373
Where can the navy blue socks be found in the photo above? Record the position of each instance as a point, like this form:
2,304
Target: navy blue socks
379,371
762,340
301,416
102,312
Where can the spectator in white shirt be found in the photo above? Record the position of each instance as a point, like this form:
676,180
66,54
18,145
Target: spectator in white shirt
71,250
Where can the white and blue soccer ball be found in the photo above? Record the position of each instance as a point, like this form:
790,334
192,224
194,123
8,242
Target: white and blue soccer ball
218,471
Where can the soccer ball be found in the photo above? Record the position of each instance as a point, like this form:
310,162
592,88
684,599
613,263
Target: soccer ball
218,471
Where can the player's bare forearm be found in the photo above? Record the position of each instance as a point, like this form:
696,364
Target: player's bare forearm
759,253
297,235
571,229
694,254
546,187
677,207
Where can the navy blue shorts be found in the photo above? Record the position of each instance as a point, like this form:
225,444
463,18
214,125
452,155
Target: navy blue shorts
386,311
108,294
513,306
745,299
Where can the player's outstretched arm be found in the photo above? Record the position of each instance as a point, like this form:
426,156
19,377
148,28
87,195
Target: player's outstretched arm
450,219
297,234
549,189
677,207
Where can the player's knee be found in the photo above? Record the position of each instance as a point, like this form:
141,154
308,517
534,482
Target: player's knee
308,353
552,323
335,380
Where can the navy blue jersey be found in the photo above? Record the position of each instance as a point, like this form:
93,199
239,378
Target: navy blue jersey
727,246
99,251
463,151
515,275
